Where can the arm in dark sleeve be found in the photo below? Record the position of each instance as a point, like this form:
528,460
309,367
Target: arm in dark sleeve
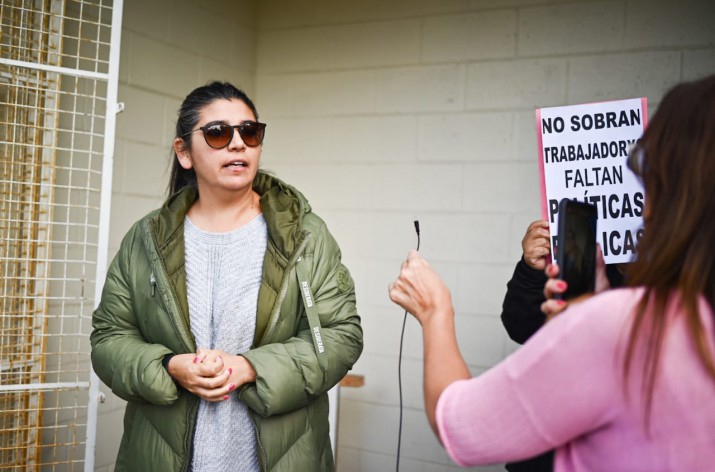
521,310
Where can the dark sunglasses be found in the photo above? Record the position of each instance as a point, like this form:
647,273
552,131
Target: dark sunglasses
219,135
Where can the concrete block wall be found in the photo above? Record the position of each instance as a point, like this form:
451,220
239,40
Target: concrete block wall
387,111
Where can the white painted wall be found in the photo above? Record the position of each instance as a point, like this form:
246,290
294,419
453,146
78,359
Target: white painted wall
386,111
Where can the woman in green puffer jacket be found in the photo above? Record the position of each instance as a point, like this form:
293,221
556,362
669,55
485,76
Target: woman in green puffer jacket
226,315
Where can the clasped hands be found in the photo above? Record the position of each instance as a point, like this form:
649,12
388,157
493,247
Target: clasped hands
211,374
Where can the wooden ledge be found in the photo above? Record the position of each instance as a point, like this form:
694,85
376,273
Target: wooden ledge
352,380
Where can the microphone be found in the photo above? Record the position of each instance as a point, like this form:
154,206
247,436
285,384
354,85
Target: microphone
399,365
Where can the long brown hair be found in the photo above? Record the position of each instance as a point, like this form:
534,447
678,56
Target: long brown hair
676,161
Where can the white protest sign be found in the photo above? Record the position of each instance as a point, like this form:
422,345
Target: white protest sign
583,151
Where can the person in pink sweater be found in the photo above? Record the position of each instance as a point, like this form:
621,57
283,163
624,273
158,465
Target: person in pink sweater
620,381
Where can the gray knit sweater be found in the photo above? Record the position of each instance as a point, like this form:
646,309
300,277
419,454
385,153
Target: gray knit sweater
223,275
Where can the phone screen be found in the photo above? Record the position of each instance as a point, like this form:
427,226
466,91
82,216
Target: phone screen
576,252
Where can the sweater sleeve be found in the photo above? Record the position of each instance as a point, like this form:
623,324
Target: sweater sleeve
561,384
521,310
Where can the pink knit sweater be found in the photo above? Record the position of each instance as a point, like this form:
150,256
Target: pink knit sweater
564,389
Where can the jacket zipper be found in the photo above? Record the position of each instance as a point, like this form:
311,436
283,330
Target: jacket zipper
264,462
284,287
188,439
173,309
276,317
159,275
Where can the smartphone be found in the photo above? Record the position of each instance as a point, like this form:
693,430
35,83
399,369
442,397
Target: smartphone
576,251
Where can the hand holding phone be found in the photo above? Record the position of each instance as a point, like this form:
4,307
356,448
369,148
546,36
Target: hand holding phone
576,251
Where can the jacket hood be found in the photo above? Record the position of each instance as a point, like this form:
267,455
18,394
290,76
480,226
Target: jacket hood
283,207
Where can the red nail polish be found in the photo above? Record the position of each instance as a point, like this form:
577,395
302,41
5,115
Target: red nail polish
561,285
225,397
196,359
231,387
230,371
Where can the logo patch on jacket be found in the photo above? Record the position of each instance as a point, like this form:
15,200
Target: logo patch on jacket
343,280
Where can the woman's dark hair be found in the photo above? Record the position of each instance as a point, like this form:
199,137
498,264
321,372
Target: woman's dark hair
676,257
188,118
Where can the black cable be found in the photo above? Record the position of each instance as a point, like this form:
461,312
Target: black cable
399,363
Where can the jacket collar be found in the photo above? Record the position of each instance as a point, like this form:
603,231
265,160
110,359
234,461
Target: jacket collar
283,208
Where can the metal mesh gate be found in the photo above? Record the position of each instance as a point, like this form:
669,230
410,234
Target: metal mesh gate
55,80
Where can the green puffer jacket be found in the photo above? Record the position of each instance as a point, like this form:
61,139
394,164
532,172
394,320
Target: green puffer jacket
144,315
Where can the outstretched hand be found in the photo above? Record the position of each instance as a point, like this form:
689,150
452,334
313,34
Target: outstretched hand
420,290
